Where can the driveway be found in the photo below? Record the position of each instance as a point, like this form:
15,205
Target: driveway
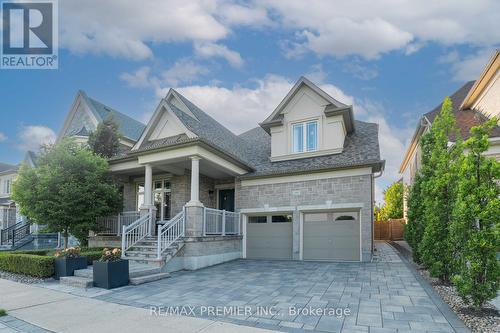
382,296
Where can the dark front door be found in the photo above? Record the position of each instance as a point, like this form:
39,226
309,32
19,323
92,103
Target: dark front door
226,199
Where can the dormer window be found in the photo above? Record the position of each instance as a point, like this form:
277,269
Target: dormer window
305,136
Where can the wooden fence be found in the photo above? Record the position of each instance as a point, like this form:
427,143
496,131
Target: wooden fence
389,230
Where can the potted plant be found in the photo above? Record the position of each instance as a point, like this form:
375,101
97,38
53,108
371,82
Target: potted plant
67,261
111,271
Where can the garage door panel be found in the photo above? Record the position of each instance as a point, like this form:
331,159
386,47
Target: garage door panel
269,240
328,239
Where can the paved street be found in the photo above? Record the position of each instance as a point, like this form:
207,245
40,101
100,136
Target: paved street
382,296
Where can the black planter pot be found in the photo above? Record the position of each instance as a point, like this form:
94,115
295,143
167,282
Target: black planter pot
111,274
65,266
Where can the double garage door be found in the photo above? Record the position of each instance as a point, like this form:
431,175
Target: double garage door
326,236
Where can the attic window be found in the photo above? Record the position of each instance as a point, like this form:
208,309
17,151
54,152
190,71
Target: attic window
305,136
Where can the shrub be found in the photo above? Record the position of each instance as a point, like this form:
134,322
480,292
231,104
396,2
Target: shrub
3,312
28,264
91,256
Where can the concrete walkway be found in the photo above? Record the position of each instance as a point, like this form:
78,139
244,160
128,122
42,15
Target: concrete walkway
35,309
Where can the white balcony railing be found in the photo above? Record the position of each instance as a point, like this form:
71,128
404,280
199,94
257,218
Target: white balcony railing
113,224
220,222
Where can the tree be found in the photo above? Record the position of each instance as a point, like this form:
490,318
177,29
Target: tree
393,198
439,192
414,229
476,220
67,190
105,140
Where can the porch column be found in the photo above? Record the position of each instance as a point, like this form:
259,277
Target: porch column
195,182
194,208
148,206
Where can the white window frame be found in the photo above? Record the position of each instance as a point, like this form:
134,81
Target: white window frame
304,136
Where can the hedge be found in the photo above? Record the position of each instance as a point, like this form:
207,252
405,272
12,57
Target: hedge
91,256
28,264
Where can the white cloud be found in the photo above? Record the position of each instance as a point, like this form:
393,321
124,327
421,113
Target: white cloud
371,28
139,78
183,71
32,137
125,28
469,68
328,28
360,71
210,50
3,137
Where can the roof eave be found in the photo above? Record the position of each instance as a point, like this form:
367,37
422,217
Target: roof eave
345,112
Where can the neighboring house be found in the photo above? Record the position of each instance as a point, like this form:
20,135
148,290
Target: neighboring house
8,173
302,182
473,104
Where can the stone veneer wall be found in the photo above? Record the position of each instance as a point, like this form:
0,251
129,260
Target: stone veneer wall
181,192
352,189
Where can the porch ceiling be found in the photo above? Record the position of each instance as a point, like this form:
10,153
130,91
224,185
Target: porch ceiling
178,167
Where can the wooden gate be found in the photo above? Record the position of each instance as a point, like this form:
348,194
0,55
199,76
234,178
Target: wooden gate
392,229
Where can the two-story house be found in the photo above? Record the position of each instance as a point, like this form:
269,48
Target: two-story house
299,186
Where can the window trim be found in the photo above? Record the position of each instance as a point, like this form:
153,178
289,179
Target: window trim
305,139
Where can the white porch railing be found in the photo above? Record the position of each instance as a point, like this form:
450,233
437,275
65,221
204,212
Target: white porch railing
112,225
170,232
220,222
134,232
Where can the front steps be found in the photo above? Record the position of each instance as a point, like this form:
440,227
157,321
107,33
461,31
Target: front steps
139,274
144,265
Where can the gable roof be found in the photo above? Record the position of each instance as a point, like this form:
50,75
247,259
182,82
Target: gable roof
464,120
333,108
253,148
361,148
7,167
127,126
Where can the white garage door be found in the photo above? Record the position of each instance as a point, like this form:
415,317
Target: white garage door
331,236
269,237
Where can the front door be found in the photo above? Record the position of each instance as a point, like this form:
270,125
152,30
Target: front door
226,200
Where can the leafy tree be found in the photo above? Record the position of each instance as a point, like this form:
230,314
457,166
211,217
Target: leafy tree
476,220
414,229
105,140
439,192
68,189
393,198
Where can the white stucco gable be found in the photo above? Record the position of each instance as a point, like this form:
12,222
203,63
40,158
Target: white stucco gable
305,106
164,123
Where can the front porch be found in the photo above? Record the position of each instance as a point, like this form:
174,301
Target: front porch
178,214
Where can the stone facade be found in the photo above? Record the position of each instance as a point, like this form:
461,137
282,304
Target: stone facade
342,190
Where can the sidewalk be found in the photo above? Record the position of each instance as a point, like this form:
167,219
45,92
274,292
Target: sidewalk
60,312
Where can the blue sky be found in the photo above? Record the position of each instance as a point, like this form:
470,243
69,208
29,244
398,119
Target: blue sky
393,60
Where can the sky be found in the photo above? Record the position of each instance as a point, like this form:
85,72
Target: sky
393,60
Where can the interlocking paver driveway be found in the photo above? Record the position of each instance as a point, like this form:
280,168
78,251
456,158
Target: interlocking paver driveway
383,296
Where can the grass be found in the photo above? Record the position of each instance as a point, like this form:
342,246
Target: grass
3,312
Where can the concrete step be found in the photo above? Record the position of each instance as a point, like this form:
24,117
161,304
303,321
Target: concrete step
148,278
145,260
76,281
85,273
